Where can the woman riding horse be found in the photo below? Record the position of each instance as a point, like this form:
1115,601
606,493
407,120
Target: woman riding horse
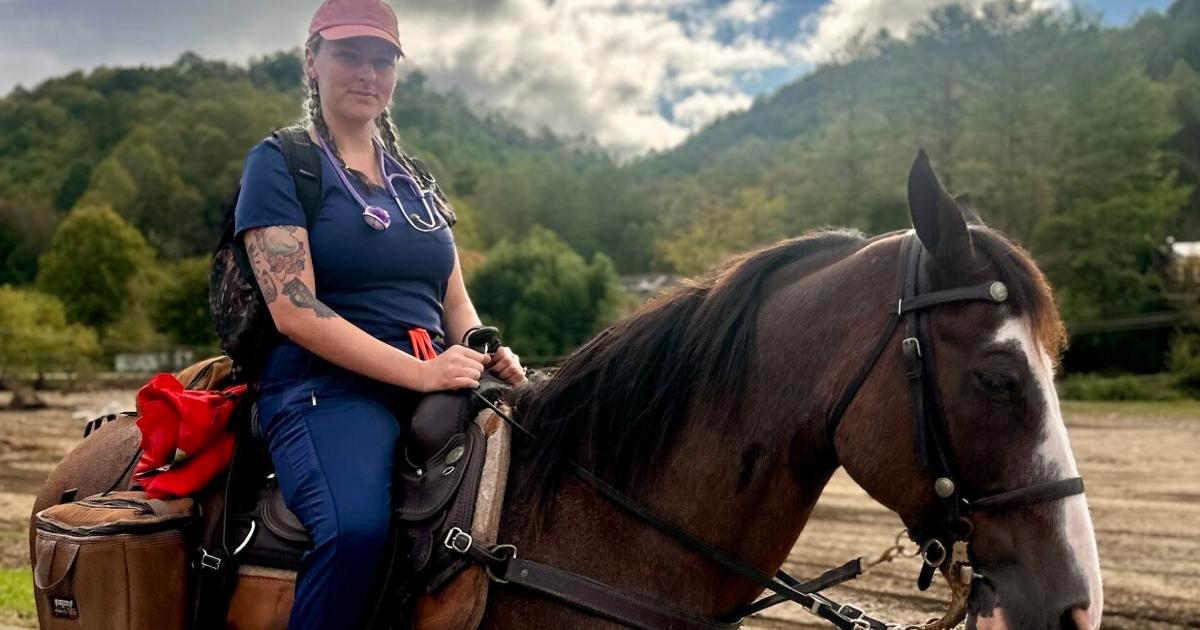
715,411
373,295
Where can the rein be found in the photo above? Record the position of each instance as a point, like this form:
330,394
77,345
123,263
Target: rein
943,540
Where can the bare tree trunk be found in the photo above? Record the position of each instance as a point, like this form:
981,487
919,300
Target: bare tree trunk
25,397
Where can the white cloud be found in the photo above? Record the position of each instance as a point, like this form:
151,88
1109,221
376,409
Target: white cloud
839,21
632,74
607,69
702,107
748,11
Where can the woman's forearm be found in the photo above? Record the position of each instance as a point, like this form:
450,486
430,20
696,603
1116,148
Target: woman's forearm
348,346
279,257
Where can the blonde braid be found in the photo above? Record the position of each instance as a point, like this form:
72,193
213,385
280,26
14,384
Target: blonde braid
387,132
391,142
317,118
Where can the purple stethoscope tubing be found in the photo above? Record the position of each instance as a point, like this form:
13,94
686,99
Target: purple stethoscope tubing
378,218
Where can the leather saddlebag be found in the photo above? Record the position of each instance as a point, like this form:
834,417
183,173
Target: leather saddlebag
116,561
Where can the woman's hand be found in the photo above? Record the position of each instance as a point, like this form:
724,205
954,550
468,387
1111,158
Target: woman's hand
459,367
506,365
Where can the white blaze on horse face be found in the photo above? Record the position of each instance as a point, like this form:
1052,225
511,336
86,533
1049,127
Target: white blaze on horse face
1055,453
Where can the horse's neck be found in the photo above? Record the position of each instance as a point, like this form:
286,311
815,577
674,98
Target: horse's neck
746,487
751,502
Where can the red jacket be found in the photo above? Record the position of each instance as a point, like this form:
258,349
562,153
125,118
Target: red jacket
185,437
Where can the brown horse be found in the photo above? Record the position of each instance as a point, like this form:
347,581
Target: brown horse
712,407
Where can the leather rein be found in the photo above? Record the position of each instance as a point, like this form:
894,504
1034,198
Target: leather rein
943,538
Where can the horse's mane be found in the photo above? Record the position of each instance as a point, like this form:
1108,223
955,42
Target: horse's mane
621,396
623,393
1029,293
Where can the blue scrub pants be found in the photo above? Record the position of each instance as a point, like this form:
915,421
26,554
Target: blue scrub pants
333,437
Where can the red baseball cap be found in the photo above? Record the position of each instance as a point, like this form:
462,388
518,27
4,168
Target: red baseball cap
339,19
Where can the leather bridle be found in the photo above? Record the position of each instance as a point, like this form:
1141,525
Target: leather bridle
950,523
943,537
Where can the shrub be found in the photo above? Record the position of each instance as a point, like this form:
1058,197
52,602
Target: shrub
92,257
35,335
544,296
1159,387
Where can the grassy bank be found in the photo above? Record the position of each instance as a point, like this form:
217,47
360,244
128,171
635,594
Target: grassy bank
16,598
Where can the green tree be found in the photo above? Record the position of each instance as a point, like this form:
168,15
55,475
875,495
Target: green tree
545,297
111,185
91,259
25,231
182,305
138,327
35,335
752,219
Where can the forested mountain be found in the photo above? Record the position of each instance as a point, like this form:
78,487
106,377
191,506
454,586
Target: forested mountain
1079,141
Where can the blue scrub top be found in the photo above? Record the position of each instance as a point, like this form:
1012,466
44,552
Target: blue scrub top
384,282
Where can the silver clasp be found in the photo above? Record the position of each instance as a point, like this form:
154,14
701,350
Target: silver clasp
458,540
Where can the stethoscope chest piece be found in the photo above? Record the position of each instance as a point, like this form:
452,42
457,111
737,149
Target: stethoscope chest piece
377,218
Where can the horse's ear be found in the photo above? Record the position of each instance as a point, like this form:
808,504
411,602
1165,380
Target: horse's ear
937,218
970,212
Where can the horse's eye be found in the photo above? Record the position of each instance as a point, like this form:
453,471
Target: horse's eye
999,384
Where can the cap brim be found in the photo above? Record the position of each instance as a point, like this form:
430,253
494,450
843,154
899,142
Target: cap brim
361,30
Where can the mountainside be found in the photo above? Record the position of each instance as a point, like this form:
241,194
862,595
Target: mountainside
163,146
965,52
1080,142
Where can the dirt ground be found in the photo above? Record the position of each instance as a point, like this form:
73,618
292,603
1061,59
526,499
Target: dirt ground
1141,463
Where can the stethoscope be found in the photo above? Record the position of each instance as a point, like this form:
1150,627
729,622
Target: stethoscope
377,217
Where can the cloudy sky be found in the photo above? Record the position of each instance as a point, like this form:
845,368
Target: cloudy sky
633,74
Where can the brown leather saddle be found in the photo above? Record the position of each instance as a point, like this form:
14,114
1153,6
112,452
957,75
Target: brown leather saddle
437,485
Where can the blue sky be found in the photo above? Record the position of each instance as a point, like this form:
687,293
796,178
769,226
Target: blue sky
633,74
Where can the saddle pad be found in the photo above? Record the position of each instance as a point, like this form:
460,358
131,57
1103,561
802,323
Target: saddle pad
490,503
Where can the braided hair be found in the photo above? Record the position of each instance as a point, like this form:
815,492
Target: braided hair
386,132
312,106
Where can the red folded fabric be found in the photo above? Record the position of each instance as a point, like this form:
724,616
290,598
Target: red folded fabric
185,439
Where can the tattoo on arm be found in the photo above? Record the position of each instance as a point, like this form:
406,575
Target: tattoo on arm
262,274
278,257
299,294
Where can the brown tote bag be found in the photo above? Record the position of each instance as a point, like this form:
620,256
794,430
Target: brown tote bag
116,561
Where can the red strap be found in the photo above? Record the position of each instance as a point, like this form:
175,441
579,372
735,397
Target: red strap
422,344
429,343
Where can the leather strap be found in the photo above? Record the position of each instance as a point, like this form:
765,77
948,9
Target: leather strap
1029,495
839,410
985,292
598,598
779,586
47,554
639,611
832,577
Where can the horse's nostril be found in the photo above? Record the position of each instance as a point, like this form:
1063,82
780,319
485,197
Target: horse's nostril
1075,619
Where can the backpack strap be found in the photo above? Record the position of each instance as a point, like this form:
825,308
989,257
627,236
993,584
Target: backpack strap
304,162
